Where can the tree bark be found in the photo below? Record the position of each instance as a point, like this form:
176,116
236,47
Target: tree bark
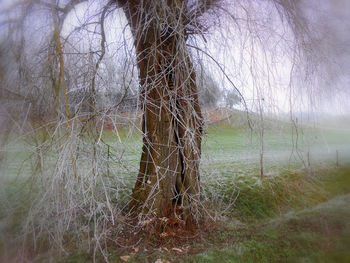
168,181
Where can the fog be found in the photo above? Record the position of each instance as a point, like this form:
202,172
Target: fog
320,84
252,95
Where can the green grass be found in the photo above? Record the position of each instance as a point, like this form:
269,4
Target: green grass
292,214
285,241
337,181
310,232
289,218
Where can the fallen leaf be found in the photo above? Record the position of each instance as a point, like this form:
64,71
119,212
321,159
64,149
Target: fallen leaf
164,235
146,222
125,258
178,250
164,219
136,249
162,261
185,249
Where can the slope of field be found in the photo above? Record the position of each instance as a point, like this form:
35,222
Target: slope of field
296,211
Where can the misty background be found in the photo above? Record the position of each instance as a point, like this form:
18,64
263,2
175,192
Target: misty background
274,91
327,73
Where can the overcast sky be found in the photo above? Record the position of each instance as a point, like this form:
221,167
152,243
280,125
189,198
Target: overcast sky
270,77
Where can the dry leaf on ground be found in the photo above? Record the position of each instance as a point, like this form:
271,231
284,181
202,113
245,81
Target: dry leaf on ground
162,261
125,258
178,250
164,235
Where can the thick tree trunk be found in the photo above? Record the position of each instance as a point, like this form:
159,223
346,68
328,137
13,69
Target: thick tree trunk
168,180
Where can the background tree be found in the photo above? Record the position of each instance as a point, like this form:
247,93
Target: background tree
231,98
209,92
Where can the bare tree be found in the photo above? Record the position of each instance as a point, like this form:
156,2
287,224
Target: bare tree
172,119
168,182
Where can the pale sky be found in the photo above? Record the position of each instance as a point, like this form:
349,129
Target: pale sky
259,66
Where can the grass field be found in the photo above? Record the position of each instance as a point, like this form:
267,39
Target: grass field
297,212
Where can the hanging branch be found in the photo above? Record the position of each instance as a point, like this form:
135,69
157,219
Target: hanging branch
228,78
61,78
97,65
